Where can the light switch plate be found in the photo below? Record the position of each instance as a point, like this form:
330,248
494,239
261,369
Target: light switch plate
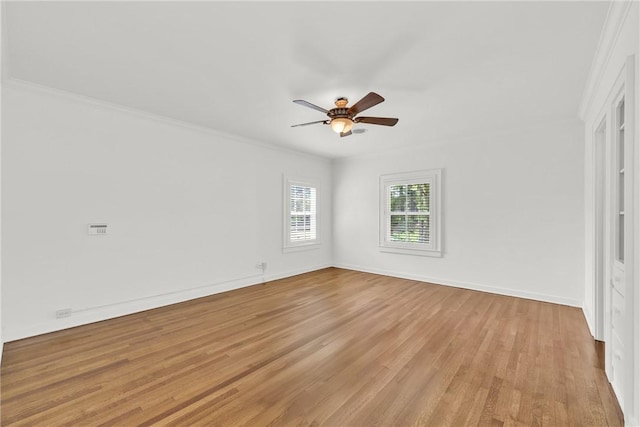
97,229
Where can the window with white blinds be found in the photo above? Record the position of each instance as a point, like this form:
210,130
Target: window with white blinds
619,182
409,217
301,213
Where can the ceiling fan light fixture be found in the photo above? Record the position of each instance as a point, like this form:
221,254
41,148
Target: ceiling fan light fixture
341,124
341,118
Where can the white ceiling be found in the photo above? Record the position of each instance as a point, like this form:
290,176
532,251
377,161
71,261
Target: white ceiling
446,69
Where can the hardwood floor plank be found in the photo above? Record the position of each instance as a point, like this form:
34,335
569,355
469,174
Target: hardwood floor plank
333,347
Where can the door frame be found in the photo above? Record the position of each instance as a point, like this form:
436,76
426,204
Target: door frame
600,249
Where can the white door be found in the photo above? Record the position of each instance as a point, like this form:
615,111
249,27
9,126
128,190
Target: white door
617,252
617,239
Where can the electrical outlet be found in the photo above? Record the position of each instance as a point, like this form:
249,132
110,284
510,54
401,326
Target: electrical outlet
65,312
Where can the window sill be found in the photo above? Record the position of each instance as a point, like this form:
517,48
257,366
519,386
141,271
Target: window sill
419,252
301,247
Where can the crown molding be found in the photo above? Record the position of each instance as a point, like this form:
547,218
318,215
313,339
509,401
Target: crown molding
99,103
613,23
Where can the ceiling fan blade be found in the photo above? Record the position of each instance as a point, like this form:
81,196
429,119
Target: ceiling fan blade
368,101
311,123
310,105
385,121
345,134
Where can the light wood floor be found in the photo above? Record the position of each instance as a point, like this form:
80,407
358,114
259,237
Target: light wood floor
333,347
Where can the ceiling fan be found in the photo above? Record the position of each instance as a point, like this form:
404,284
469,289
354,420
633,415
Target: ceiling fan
341,118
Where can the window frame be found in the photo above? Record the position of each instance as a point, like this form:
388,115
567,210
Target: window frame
434,178
299,245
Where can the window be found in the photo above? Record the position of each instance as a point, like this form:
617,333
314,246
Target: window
301,216
619,182
410,213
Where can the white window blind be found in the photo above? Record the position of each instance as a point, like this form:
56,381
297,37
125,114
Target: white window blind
408,213
300,214
302,203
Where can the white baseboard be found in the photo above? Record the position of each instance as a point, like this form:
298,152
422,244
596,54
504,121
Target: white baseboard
96,314
290,273
466,285
589,318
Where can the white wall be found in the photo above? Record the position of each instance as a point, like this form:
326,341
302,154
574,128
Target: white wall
512,213
190,212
